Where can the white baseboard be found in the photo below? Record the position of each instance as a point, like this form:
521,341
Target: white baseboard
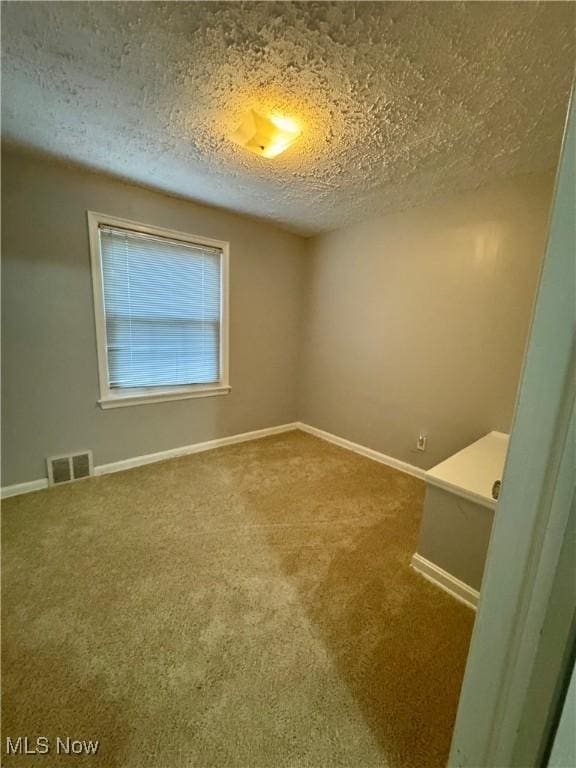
151,458
185,450
19,488
369,453
429,570
445,581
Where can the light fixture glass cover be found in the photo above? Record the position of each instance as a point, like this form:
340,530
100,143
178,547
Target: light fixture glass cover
266,136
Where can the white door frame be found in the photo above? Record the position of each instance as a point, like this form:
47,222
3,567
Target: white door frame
532,513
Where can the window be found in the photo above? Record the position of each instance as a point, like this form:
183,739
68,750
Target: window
161,321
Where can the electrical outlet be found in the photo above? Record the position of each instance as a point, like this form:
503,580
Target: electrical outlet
421,442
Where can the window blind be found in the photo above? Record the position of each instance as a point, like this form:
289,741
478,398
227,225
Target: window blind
162,307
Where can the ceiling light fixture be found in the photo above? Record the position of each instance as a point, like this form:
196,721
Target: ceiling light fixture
266,136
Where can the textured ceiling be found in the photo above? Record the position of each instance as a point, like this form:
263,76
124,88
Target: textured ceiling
399,101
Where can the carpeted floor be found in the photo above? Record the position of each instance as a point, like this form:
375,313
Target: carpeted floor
249,607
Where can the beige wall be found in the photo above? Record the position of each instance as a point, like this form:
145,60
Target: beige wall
418,320
411,321
454,535
49,373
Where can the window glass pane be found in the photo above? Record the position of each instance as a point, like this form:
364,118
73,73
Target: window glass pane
162,305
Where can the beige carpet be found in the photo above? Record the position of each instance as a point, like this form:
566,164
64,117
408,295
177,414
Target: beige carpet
250,607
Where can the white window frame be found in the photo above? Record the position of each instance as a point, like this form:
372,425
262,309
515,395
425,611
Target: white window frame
113,398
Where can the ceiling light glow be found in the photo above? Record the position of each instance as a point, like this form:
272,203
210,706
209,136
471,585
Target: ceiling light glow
266,136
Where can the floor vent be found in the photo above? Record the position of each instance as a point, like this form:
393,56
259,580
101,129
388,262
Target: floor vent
65,469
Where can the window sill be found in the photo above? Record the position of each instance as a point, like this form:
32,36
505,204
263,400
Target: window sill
161,396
